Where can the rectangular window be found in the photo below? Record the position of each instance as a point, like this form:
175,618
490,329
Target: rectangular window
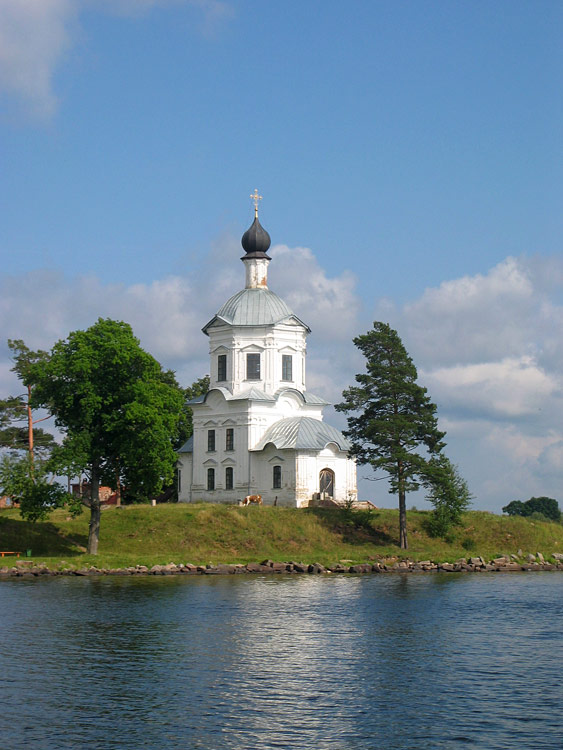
253,367
277,478
229,478
230,439
179,481
210,479
287,367
221,367
211,440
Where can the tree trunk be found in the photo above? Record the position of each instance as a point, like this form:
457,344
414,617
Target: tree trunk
403,541
30,430
95,512
117,488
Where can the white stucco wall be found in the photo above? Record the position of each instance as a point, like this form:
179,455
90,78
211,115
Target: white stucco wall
252,415
271,343
249,420
185,464
253,470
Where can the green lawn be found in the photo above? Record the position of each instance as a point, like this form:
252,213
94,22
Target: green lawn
203,533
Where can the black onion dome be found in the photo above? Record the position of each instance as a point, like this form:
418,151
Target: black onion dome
256,241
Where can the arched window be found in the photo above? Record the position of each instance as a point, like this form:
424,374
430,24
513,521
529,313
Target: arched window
229,478
210,479
277,478
326,483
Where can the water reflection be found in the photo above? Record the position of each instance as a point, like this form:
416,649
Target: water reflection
430,661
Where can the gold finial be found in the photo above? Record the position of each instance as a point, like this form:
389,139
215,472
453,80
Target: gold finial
255,197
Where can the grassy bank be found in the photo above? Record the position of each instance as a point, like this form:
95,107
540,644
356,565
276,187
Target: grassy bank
228,534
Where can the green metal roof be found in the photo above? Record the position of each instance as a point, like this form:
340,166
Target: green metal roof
308,398
188,446
304,433
254,307
257,394
252,394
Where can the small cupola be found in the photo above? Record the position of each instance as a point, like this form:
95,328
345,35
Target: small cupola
256,241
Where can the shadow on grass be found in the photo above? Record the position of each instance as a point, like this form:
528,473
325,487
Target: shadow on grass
355,526
44,539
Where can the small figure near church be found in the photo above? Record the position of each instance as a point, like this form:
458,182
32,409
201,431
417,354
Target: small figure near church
258,432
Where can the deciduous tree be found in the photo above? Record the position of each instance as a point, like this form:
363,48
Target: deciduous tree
198,388
391,419
547,506
449,494
117,409
36,494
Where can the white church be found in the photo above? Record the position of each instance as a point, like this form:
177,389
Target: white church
258,431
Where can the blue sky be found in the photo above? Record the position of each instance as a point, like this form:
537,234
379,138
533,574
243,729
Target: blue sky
410,159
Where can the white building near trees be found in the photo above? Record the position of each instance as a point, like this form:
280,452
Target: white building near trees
258,430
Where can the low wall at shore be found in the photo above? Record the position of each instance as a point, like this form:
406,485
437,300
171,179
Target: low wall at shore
505,564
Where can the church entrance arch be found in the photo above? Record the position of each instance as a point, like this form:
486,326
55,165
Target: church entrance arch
326,483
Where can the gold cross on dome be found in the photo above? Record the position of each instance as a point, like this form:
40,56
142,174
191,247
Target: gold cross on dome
255,197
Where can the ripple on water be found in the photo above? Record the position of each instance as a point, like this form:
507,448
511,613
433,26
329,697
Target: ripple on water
410,662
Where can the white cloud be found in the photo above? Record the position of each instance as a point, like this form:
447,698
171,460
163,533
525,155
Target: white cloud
478,318
168,314
161,313
519,448
513,387
331,303
500,399
489,349
36,34
550,460
213,13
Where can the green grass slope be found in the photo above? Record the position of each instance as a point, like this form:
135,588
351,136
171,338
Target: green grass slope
202,533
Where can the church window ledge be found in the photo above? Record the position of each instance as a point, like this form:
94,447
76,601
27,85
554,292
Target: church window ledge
221,368
229,478
253,366
230,439
211,441
210,479
287,367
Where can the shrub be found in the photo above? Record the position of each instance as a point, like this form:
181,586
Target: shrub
448,493
545,506
535,516
468,543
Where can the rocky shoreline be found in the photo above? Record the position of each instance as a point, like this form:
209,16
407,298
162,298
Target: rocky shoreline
28,569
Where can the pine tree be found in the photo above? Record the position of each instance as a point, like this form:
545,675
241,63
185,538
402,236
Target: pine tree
16,411
391,419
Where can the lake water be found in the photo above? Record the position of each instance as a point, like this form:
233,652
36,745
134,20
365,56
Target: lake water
390,662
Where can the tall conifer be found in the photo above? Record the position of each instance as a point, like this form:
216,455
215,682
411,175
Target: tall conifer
391,420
